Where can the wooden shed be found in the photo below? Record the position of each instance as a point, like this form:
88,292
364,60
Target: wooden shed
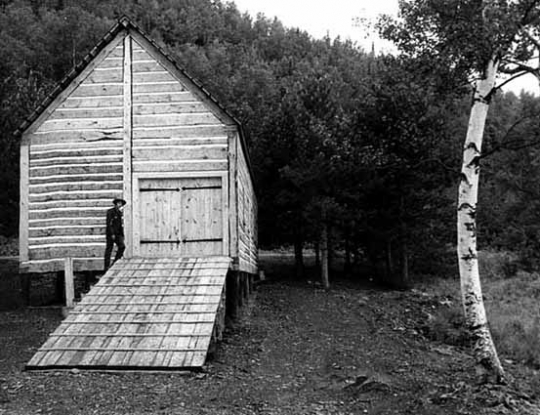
130,123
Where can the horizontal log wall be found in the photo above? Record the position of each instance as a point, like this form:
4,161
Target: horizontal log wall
75,155
75,170
173,131
247,218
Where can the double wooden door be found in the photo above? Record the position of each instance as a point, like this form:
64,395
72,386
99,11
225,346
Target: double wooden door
180,217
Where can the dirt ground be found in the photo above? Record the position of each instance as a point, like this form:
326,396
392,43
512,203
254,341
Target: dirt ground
296,349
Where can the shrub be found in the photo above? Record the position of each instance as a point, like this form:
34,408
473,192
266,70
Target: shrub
448,326
514,317
494,265
519,341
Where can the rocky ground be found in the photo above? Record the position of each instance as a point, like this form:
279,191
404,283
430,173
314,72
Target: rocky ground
297,349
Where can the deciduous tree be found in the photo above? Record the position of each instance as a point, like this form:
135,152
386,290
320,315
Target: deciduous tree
475,38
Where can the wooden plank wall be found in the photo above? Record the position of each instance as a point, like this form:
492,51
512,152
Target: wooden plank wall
76,162
173,130
75,169
247,217
182,216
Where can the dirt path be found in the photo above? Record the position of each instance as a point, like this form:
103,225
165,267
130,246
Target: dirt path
297,350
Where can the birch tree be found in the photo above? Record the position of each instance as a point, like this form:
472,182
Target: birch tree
471,291
476,39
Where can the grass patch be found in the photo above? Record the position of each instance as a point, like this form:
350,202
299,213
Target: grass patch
512,307
511,300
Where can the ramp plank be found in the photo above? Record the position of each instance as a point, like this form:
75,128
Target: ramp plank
143,313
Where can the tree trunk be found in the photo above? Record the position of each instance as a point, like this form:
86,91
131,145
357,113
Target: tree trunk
330,246
404,282
404,263
389,262
324,256
317,255
298,258
475,315
299,251
347,267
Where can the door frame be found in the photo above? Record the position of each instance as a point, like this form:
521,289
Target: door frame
137,177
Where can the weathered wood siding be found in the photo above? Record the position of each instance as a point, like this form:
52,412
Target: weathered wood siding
131,125
173,130
144,313
247,217
75,167
180,217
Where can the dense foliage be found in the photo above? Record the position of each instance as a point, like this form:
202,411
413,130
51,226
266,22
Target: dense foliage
367,144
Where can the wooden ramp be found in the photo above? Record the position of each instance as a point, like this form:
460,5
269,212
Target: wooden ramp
144,313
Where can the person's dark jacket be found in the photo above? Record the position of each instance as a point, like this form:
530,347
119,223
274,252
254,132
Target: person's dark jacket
115,225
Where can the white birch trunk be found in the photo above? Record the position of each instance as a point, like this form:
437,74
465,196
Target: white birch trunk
475,315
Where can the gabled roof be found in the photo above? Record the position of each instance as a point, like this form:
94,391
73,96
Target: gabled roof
123,23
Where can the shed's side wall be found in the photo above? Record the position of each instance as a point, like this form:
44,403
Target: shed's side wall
75,168
173,131
247,217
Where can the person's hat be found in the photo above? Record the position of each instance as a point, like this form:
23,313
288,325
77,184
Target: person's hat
118,200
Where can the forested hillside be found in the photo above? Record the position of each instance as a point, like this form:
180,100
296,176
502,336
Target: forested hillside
363,146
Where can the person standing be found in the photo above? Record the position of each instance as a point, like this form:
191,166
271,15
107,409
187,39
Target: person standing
115,232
